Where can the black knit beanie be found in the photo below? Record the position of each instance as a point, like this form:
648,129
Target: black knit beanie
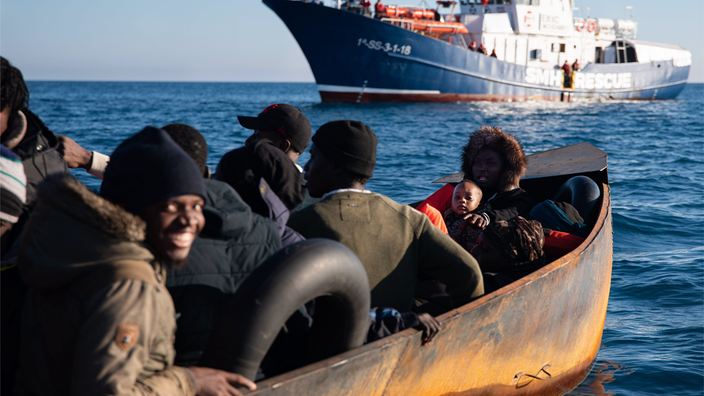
149,168
350,145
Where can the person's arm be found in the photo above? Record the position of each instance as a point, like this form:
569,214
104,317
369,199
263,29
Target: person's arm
386,321
443,259
78,157
516,205
122,329
116,340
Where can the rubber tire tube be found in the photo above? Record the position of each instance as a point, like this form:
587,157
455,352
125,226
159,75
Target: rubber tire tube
580,191
278,287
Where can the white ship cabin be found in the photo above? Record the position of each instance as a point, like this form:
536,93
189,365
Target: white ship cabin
546,33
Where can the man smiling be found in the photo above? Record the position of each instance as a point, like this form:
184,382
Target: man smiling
100,320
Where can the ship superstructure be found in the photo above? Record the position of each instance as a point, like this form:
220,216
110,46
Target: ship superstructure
418,53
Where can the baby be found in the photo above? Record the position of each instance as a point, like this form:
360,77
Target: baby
465,199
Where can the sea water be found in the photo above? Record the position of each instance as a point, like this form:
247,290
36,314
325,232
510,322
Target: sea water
653,342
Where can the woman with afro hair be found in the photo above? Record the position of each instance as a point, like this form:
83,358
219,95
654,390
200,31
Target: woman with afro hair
495,161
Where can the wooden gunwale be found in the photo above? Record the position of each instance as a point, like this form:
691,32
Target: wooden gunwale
483,347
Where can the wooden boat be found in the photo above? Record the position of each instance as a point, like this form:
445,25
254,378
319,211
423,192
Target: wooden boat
538,336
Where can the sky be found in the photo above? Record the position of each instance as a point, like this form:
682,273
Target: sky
229,40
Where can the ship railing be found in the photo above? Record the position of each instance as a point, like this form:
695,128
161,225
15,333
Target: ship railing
458,40
402,23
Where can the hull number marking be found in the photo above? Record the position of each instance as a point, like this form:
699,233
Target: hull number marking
386,47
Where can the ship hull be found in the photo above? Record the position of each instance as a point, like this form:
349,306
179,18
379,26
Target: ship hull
358,59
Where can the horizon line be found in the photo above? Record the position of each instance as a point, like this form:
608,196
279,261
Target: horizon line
208,82
176,81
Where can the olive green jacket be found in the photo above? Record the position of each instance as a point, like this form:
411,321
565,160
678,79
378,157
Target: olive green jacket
98,318
394,242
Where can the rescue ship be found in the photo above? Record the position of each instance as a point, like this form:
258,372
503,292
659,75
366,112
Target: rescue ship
539,335
418,54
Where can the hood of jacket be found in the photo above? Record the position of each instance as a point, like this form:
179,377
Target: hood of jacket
503,143
226,214
74,231
15,130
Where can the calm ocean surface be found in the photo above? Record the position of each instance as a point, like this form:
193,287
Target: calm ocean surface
653,341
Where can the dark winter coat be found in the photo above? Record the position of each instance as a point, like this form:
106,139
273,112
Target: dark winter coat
509,204
242,169
232,244
98,319
39,155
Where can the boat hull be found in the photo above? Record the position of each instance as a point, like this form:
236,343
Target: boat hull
538,336
358,59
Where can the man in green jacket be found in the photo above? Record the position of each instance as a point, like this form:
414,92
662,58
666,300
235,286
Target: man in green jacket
98,318
394,242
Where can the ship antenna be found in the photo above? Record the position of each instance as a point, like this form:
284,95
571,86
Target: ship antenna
625,13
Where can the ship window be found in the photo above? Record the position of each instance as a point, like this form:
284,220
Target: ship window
599,55
536,54
558,47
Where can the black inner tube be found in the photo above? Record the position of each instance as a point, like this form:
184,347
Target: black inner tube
276,289
581,192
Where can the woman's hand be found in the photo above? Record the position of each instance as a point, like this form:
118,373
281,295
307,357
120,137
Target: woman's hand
474,220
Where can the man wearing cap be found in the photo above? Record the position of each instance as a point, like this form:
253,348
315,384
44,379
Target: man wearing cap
288,129
99,319
394,242
284,125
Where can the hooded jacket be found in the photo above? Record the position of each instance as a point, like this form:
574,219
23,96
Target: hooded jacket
510,200
98,318
36,145
233,243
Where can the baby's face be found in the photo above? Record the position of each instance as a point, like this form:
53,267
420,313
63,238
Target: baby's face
465,198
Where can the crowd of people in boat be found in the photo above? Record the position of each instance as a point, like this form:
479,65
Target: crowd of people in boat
94,284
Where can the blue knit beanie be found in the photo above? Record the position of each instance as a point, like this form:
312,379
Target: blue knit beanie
149,168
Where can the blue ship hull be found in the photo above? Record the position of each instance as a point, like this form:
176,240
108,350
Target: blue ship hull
360,59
